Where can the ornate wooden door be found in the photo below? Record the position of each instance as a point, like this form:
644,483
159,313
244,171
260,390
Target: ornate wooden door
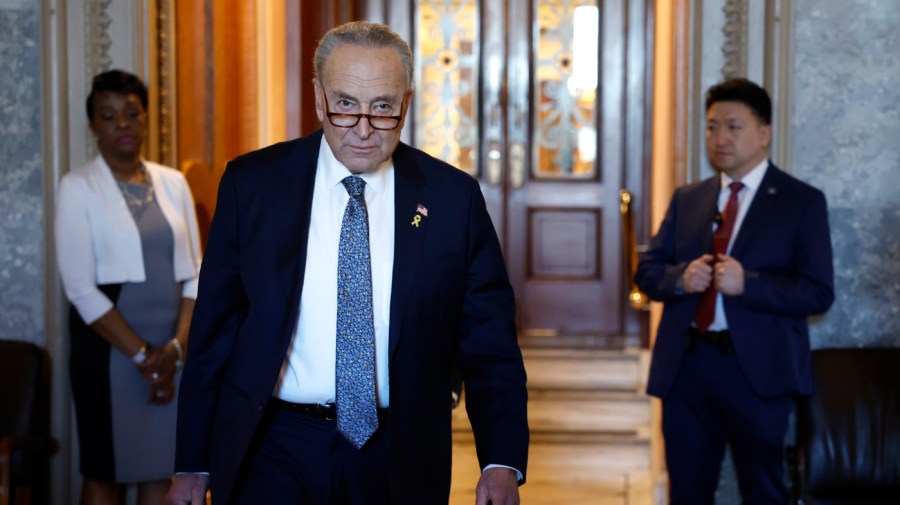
545,103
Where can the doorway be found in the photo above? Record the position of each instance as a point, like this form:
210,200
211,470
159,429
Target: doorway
546,103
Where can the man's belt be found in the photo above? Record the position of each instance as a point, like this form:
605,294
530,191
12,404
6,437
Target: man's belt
722,339
317,410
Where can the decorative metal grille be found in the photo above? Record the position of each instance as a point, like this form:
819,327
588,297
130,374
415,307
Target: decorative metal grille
566,80
446,99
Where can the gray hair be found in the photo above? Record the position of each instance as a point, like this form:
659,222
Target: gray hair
364,34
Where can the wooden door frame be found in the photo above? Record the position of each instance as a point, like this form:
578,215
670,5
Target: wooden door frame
640,65
307,22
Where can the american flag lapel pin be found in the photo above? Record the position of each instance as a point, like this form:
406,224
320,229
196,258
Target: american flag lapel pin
420,211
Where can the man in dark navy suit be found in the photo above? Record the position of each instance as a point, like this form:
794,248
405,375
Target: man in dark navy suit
301,387
740,261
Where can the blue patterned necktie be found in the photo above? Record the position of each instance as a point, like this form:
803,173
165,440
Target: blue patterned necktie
357,418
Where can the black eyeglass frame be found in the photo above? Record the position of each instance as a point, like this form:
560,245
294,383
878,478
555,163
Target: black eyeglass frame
369,117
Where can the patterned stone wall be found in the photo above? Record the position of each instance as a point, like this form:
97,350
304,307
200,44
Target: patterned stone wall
846,141
21,181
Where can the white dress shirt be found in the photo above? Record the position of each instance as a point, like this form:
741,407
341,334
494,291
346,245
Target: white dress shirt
308,373
751,181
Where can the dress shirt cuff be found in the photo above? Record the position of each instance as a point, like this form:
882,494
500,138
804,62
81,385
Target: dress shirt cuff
679,284
518,473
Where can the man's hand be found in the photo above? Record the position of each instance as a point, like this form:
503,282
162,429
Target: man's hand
497,486
698,275
729,276
188,489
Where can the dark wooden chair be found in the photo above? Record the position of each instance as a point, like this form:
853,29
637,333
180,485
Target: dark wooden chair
24,423
848,431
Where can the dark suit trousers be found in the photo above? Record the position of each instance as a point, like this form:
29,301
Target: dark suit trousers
300,460
712,404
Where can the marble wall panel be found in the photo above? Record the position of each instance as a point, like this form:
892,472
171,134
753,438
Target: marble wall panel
21,181
846,141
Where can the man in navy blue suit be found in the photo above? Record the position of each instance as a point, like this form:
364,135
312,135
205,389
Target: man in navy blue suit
259,415
740,261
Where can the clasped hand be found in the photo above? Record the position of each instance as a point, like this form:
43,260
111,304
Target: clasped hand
724,272
158,371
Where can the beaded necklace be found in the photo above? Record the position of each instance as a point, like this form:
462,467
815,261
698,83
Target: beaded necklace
136,204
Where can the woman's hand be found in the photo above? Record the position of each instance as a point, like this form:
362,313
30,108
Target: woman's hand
162,393
160,364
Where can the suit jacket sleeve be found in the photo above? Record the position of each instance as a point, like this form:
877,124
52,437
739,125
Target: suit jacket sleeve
659,271
488,357
220,308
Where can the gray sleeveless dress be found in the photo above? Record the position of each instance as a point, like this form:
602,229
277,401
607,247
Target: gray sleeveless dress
143,434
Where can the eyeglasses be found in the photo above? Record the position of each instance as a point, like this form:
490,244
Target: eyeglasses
351,120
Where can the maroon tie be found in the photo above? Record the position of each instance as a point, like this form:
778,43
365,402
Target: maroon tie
707,309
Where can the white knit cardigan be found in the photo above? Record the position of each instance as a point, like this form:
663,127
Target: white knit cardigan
97,240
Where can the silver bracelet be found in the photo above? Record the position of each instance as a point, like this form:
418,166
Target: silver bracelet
179,362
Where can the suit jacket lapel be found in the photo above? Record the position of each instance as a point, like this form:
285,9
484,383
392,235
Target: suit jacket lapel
706,208
759,209
409,239
299,180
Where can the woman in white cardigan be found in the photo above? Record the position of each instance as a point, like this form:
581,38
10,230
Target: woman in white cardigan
129,254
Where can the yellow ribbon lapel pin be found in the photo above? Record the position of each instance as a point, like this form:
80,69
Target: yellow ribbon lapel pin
421,211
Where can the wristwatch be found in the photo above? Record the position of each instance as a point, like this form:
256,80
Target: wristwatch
141,356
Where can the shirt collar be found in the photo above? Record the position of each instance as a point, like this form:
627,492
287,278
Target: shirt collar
334,171
752,180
